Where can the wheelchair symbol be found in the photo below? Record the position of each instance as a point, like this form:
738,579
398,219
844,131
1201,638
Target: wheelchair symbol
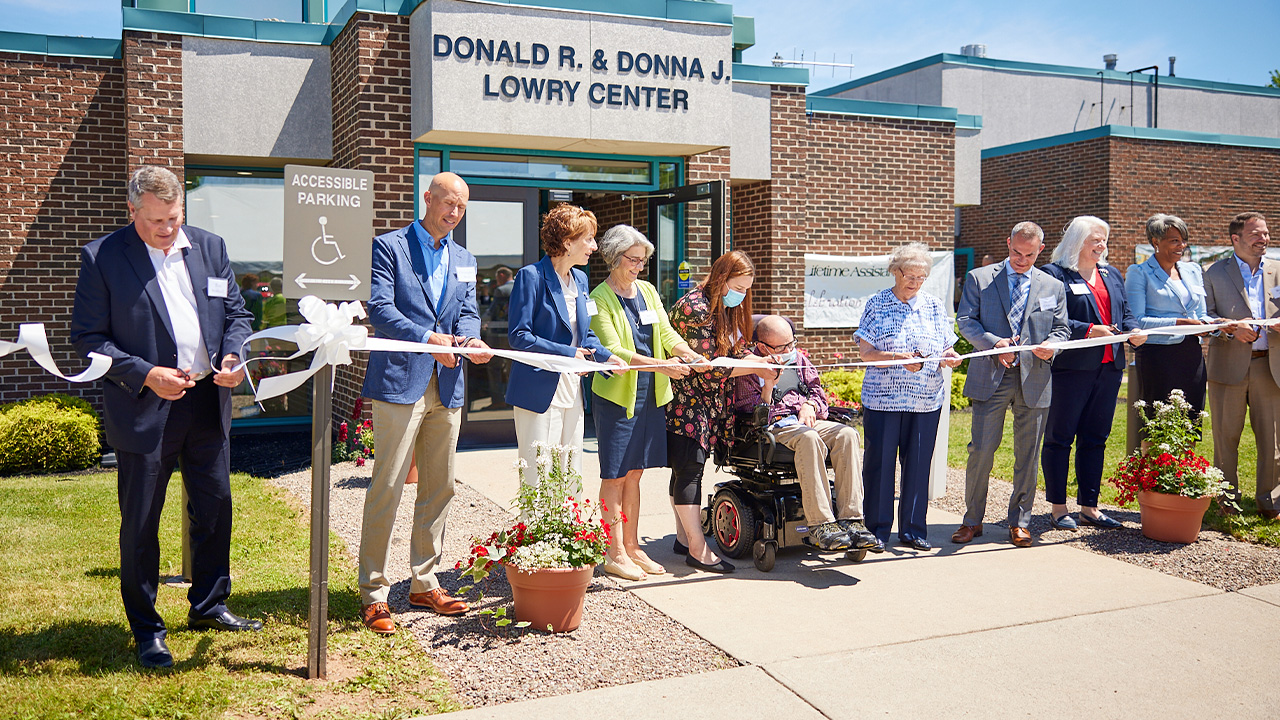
327,239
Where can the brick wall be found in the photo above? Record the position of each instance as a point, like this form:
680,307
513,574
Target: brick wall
1048,186
62,182
611,209
1123,181
372,131
153,100
707,167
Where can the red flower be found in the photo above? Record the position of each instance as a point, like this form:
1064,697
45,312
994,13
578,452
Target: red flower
342,432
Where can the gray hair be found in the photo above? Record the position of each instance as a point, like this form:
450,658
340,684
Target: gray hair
155,180
1027,229
619,239
913,253
1159,224
1067,253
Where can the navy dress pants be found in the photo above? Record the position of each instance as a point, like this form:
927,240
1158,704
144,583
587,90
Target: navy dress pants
907,437
195,443
1084,403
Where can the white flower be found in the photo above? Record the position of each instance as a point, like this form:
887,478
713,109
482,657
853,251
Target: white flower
520,464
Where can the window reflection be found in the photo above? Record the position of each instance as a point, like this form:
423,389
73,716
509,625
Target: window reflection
245,209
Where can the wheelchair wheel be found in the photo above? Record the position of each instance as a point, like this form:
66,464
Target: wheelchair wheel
735,524
856,556
705,517
763,554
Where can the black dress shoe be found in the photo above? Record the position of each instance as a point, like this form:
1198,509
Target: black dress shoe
679,548
917,543
721,567
154,654
226,620
878,547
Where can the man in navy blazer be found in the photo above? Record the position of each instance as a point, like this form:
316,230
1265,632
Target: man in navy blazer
161,300
423,289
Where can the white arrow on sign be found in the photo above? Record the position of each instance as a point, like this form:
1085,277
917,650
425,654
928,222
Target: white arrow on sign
351,284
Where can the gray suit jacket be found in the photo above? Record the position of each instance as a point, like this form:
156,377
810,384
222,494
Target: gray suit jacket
1225,297
983,320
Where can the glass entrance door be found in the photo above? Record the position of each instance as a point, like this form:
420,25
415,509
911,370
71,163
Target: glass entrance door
501,230
687,228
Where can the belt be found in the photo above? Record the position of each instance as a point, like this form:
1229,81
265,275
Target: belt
1259,353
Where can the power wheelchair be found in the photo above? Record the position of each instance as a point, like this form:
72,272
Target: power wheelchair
759,509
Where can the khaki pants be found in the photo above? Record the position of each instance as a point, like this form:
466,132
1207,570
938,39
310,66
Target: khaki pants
428,430
1227,405
811,445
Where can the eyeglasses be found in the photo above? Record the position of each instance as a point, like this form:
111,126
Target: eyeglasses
786,347
635,260
913,278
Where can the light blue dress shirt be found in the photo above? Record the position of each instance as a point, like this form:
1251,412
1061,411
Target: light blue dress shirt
1257,301
437,262
1156,303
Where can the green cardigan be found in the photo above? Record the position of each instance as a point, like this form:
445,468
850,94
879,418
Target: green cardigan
610,324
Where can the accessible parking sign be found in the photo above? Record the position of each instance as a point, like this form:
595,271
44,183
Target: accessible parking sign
328,232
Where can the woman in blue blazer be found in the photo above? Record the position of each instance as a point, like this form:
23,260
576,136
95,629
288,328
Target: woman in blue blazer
1086,381
549,312
1164,291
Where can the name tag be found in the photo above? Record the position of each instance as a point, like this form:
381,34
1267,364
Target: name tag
591,307
466,273
1079,289
1048,303
217,287
648,317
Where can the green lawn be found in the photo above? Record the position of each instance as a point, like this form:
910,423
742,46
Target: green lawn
66,651
1248,526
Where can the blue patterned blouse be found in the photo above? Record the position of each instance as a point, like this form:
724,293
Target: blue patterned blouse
890,325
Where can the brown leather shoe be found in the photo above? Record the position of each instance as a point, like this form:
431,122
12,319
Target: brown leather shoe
966,533
377,617
439,601
1020,537
1269,514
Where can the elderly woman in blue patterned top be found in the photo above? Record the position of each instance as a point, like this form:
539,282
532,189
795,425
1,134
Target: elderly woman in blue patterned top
902,403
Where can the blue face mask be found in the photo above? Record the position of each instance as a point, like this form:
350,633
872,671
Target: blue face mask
733,298
788,359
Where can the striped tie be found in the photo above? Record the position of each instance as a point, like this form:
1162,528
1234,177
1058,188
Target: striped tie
1019,305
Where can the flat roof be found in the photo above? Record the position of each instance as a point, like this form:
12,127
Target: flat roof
1136,133
1044,69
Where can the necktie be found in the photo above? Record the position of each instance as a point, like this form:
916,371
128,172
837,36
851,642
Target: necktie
1018,306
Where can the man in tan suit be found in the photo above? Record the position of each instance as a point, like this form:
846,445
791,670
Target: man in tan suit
1243,372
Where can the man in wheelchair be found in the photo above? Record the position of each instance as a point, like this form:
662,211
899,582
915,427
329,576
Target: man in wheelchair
798,419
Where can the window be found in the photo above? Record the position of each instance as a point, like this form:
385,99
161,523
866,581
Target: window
245,208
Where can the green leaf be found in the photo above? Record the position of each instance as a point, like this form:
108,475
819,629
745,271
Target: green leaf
523,624
503,622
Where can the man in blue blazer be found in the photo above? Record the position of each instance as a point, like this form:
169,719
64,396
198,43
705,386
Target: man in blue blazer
1012,303
161,300
423,289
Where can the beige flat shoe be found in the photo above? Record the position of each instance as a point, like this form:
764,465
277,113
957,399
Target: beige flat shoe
648,565
625,573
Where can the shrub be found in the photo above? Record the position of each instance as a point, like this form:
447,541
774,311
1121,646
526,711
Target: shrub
48,435
964,347
844,387
62,401
958,399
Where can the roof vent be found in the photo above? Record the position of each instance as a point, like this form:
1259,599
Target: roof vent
974,50
1110,59
1172,60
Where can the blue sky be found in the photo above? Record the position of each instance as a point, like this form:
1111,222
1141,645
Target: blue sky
1228,41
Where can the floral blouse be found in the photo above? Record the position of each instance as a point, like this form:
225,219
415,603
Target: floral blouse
700,408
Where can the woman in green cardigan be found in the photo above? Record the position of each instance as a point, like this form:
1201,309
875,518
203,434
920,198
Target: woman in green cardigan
630,421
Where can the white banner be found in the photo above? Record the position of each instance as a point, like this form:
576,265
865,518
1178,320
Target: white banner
836,287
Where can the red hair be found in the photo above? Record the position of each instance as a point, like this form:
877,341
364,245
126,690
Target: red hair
732,324
562,224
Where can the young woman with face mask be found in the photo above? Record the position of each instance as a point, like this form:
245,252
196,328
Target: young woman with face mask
715,319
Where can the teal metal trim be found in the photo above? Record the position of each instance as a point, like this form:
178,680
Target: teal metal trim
967,254
744,33
969,122
770,75
59,45
180,23
1135,133
543,153
691,10
287,421
584,185
256,171
872,108
1048,69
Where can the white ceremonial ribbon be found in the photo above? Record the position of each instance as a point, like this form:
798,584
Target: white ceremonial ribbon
31,338
330,332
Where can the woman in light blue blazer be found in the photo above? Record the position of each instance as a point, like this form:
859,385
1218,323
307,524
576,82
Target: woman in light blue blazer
1164,291
549,312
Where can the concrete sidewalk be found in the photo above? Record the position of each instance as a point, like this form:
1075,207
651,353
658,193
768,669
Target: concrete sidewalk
984,630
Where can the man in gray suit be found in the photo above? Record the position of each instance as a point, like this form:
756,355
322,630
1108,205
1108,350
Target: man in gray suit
1242,371
1009,303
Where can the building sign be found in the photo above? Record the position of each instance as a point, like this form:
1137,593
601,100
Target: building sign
837,287
555,73
328,232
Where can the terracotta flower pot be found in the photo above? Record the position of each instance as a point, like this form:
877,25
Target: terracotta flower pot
1171,518
551,596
